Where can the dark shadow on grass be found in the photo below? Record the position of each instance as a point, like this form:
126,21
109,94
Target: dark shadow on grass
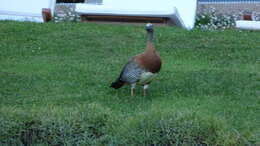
199,83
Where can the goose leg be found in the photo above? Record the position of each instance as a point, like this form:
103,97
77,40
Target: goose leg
133,89
145,89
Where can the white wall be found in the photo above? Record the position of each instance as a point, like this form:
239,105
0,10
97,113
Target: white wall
24,9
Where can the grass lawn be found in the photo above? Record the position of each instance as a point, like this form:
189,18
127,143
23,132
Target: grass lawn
55,78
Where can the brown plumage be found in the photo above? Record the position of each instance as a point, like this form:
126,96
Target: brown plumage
142,68
149,60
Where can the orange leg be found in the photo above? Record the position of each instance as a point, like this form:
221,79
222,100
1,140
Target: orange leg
145,89
133,89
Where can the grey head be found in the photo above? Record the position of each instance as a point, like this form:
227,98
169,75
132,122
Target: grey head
149,27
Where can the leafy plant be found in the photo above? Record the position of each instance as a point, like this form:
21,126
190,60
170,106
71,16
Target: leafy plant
210,19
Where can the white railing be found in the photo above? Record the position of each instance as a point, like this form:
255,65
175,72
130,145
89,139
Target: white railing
227,1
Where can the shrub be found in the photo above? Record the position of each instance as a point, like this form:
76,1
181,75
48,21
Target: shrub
175,129
95,125
84,126
210,19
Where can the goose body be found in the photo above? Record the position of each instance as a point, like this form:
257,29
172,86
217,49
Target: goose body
142,68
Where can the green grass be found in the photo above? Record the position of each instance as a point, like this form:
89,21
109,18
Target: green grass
55,78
